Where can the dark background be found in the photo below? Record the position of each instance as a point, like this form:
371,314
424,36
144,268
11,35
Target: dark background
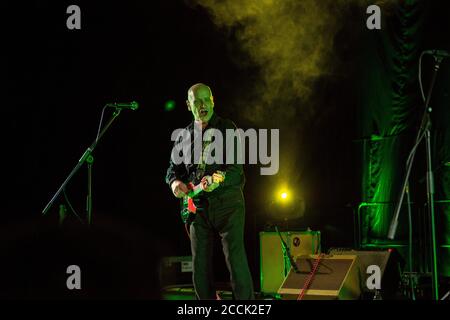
57,81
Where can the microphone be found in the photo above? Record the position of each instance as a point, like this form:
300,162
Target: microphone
438,53
124,105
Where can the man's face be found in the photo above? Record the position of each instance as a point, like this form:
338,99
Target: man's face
201,104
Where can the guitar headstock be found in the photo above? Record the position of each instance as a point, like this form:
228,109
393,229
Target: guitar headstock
218,177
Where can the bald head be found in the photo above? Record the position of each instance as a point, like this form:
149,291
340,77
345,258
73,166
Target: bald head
198,86
200,102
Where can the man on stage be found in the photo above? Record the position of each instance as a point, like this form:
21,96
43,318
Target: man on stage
221,206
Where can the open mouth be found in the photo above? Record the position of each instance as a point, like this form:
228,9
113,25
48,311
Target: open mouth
203,113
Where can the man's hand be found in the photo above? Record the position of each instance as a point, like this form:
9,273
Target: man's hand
205,184
179,189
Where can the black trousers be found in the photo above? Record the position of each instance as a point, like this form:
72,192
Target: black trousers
225,217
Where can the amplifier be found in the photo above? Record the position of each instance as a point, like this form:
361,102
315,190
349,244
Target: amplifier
274,266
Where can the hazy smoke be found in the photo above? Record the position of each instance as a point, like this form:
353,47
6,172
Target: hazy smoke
290,46
290,41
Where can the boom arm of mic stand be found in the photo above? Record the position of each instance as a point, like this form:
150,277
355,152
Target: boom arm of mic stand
82,160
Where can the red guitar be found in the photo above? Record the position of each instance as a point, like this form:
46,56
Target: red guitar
188,208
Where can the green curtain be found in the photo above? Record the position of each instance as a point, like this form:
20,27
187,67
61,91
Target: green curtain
391,108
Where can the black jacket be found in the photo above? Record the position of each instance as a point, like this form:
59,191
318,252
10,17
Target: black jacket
234,173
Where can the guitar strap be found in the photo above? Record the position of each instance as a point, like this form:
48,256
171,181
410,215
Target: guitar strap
199,173
201,166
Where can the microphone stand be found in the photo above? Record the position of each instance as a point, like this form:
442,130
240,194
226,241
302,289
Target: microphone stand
287,252
424,131
89,158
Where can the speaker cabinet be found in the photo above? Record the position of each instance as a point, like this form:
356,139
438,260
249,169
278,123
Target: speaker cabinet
175,271
273,265
389,263
336,278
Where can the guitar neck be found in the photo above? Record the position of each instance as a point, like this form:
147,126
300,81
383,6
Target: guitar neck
195,191
198,188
